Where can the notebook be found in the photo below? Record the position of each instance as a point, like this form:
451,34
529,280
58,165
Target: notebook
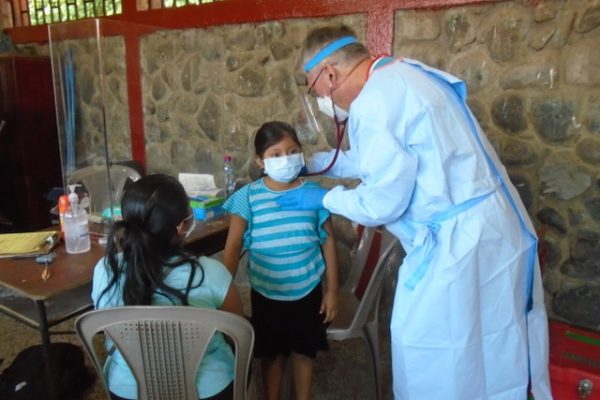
27,244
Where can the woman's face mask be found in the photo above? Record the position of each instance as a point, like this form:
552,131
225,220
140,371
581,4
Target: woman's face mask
332,110
284,169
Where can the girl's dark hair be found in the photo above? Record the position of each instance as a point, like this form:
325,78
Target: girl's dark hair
152,208
272,132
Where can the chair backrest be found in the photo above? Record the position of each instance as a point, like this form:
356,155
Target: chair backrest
104,186
364,258
163,346
388,253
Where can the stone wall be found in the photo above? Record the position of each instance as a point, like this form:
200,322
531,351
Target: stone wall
206,91
533,72
100,88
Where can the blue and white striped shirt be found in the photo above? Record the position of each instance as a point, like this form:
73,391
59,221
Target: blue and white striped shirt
285,261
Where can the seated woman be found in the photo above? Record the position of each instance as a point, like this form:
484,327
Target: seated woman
145,264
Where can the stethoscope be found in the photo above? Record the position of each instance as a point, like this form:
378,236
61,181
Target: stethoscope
340,127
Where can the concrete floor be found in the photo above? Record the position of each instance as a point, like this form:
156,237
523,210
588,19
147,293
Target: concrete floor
340,373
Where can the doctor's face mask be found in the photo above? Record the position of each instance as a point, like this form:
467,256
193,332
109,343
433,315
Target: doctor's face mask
329,108
284,169
326,104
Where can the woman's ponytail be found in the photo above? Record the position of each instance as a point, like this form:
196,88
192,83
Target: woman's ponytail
143,245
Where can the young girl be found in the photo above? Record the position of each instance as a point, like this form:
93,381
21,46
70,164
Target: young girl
145,264
288,253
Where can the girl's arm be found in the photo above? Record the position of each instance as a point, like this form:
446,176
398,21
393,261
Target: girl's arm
232,302
233,245
329,306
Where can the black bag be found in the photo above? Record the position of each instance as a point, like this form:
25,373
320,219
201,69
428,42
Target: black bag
25,378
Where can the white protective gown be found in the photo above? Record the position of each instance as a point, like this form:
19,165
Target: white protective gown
469,320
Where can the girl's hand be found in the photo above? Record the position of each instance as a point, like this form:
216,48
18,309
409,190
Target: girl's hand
329,305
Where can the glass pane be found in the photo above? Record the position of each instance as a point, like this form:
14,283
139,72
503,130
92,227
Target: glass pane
92,108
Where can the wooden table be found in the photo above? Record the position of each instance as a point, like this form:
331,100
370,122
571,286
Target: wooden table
208,237
72,274
67,292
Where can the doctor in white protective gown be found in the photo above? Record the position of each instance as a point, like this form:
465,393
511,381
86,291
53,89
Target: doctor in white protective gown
468,320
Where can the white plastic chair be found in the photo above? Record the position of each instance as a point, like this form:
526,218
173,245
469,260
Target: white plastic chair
163,346
96,181
361,293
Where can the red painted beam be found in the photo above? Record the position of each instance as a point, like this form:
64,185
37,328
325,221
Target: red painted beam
380,31
28,34
243,11
134,96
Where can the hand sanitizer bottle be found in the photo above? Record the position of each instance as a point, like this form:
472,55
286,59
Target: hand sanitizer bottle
77,233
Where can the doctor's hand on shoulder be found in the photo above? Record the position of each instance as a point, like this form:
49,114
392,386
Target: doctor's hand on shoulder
302,199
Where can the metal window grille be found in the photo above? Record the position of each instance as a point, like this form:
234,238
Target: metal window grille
16,13
39,12
158,4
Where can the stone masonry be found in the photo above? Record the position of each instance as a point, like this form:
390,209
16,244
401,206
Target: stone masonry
533,72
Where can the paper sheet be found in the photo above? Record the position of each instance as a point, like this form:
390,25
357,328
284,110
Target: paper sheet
25,243
198,184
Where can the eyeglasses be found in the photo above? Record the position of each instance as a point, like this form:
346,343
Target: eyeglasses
310,89
190,229
309,92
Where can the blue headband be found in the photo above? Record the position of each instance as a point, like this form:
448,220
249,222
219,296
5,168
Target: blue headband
329,50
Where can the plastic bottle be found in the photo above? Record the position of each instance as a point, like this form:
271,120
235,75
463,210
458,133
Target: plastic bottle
228,176
63,207
77,233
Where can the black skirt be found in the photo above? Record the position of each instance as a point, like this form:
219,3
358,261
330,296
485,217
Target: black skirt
282,327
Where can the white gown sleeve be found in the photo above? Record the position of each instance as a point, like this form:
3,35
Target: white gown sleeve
386,168
346,165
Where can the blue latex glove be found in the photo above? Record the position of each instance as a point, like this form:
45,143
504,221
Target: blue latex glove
302,199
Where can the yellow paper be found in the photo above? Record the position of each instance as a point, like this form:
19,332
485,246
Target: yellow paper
23,243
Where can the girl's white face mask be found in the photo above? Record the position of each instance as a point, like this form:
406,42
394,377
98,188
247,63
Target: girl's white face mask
284,169
329,108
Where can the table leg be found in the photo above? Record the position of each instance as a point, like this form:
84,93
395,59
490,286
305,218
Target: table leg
45,335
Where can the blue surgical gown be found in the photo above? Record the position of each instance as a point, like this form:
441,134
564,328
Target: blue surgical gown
468,320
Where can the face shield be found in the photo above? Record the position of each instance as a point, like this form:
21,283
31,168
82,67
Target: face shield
311,104
310,108
323,104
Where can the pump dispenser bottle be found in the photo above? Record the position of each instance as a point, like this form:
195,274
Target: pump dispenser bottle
77,233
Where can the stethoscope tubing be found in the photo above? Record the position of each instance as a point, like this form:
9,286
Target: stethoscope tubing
340,128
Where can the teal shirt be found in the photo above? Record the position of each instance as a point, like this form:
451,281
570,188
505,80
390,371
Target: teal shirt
286,260
216,369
